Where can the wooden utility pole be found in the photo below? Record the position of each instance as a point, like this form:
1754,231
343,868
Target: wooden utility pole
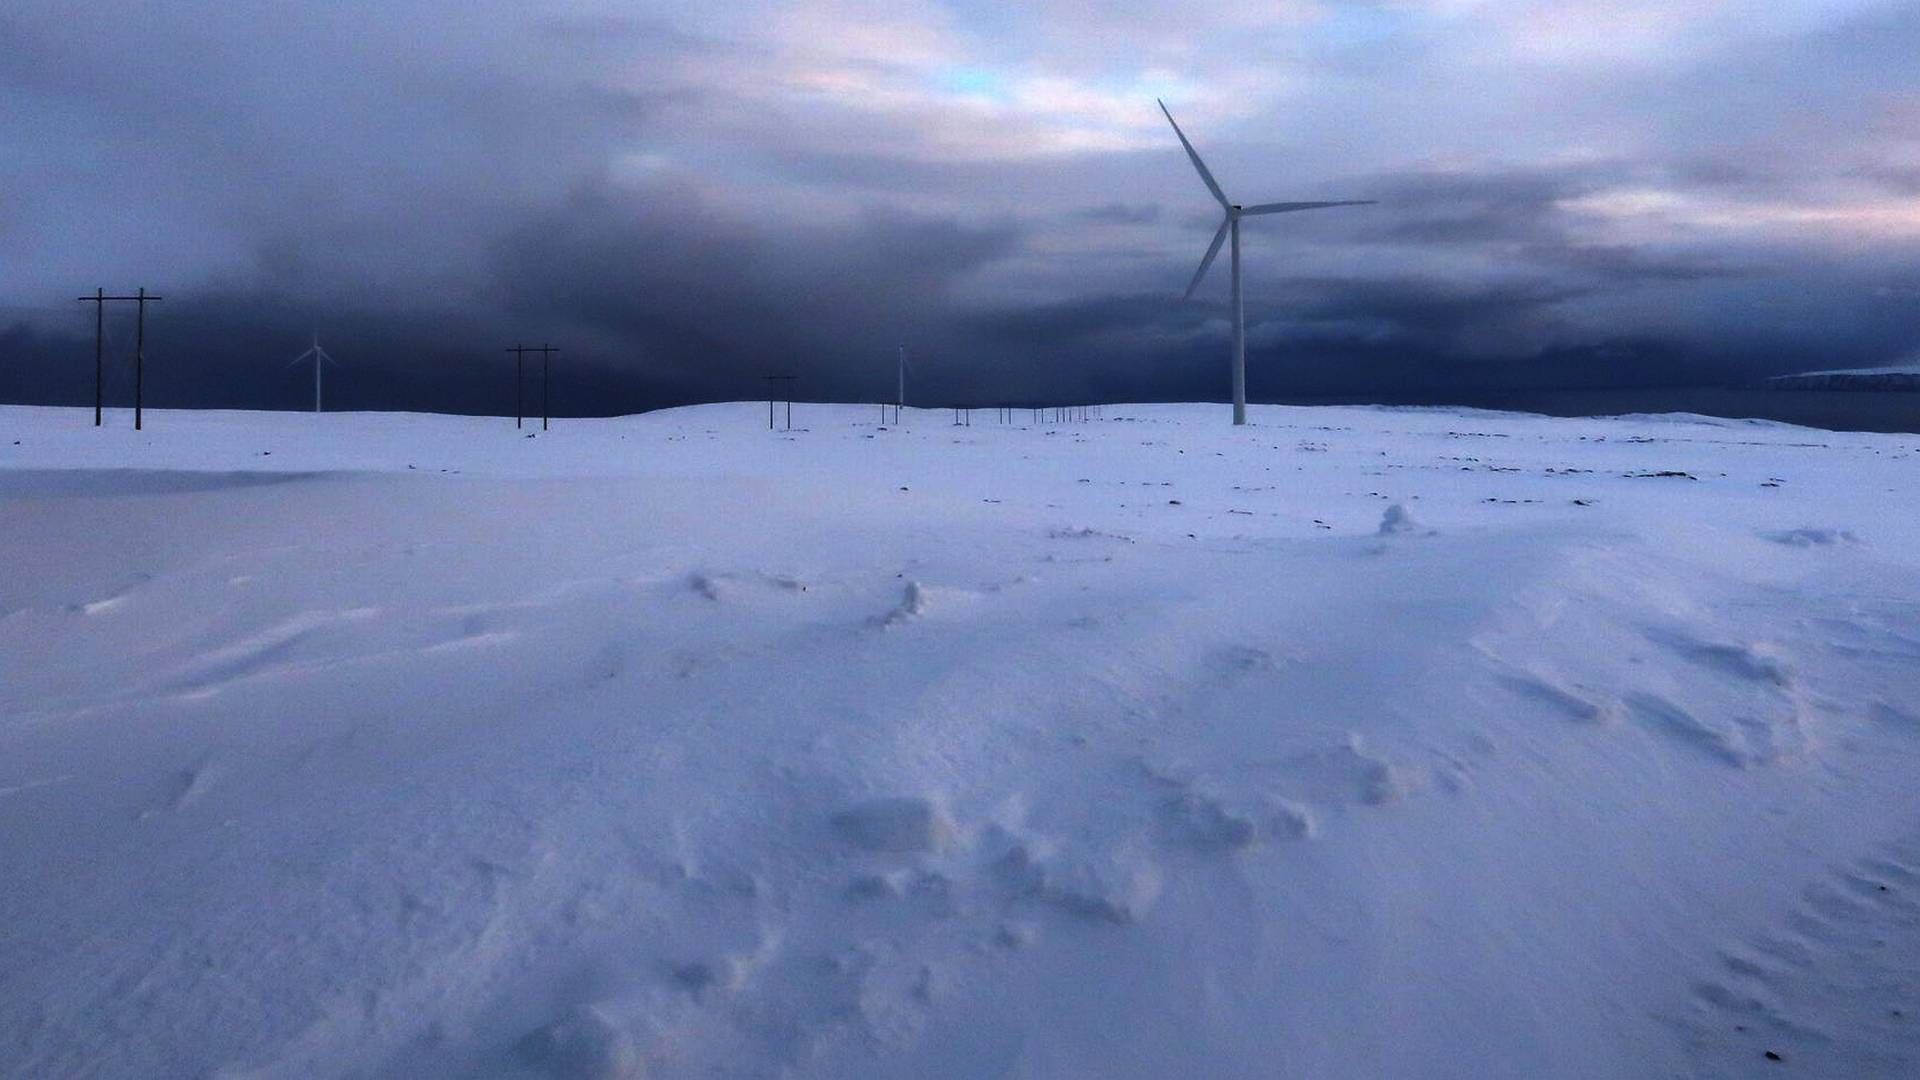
519,379
519,376
775,384
99,331
100,300
545,351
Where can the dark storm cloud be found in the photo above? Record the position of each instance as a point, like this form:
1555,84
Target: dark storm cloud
1433,207
1625,263
1119,213
687,199
710,302
1901,181
660,297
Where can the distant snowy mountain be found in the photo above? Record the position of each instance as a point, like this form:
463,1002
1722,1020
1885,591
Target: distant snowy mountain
1896,377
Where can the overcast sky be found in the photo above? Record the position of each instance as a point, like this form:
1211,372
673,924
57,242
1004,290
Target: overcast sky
689,196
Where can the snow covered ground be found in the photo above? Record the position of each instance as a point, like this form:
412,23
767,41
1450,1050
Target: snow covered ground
1354,743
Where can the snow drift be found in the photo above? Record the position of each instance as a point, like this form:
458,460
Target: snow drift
1353,743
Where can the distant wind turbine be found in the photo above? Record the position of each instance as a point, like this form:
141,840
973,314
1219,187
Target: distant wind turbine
320,359
1231,224
900,390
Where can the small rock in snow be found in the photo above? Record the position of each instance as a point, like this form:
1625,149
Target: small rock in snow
1396,521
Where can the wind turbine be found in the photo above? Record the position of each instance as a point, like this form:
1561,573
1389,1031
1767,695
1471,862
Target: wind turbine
1230,223
900,393
320,358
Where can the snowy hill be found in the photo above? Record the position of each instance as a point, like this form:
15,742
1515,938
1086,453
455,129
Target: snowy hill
1354,743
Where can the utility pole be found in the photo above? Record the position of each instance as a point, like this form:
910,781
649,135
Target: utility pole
545,352
140,353
519,376
100,299
99,331
519,382
773,387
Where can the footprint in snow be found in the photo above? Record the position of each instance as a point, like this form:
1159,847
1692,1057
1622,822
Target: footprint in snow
1754,663
187,787
1349,773
706,585
1888,713
1811,537
1242,660
896,825
1119,884
1208,823
1831,988
584,1043
1557,694
1711,736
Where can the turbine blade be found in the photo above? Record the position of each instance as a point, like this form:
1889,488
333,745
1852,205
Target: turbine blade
1199,166
1291,207
296,361
328,357
1213,249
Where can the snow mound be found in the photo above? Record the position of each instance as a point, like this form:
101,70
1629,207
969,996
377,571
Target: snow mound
1397,522
584,1044
915,600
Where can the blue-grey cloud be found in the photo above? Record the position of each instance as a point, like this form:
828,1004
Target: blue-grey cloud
1577,192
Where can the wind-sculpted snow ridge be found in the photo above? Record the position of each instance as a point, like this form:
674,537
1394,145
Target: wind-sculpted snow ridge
1351,743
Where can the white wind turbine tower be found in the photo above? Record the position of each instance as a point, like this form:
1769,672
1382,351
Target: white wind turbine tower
320,359
900,391
1231,224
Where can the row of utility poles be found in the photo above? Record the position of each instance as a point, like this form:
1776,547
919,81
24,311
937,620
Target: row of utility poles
142,298
100,300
